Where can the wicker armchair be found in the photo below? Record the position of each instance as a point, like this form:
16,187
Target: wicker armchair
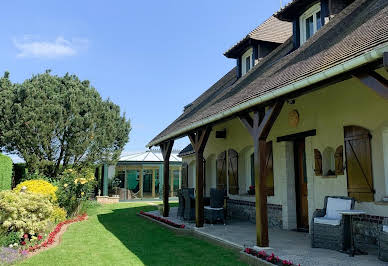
215,212
189,211
328,226
181,206
383,241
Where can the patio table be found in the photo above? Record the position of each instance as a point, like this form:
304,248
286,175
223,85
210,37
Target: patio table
351,249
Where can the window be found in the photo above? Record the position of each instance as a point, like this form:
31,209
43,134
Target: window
310,22
248,63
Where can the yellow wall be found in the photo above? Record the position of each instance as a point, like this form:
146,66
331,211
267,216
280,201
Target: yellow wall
327,110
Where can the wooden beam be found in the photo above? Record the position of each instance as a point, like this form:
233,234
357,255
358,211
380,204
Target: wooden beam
198,140
296,136
375,82
166,148
259,127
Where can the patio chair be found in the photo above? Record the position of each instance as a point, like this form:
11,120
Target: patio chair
215,212
328,226
383,241
189,211
181,206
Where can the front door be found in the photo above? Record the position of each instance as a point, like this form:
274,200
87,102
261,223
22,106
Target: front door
301,185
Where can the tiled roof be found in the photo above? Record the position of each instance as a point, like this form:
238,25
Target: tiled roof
271,30
188,150
358,29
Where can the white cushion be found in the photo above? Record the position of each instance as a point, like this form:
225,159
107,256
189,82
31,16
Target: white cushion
210,208
334,205
328,221
385,228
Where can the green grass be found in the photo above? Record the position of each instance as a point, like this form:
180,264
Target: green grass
115,235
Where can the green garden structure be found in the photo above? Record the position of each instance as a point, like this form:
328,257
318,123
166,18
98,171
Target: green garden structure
140,175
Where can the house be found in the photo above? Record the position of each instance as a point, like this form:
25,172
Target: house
303,115
140,175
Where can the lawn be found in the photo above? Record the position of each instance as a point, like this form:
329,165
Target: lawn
115,235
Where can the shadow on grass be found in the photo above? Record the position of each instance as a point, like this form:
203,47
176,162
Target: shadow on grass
156,245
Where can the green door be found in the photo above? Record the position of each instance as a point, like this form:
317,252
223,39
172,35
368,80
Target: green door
132,179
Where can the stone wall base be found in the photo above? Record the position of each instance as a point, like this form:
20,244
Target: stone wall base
246,210
107,200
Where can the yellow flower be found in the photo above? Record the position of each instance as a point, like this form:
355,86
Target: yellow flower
83,180
76,181
82,193
65,185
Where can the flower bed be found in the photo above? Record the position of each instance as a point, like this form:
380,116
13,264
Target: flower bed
51,237
163,220
269,258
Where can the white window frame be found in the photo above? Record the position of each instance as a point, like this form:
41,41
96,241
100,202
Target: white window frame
247,53
312,11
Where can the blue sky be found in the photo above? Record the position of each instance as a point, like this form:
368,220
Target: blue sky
149,57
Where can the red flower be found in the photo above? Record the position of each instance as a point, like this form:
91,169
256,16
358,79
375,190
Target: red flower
25,236
39,237
23,243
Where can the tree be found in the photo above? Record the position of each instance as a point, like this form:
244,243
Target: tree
53,122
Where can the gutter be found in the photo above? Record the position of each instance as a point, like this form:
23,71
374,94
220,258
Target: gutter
368,57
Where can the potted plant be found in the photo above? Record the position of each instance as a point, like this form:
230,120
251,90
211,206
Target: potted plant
251,190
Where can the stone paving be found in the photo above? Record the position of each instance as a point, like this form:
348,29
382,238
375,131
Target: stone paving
290,245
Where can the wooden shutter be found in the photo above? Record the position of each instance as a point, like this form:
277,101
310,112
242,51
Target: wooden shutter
269,181
185,175
359,163
233,172
221,170
339,160
318,162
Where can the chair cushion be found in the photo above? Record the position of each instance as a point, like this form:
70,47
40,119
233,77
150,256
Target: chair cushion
334,205
385,228
214,209
328,221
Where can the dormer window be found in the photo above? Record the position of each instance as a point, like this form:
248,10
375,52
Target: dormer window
246,60
248,63
310,22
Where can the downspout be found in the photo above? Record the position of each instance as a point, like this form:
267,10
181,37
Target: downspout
330,72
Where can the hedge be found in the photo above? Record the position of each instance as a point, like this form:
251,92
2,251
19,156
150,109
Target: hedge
5,172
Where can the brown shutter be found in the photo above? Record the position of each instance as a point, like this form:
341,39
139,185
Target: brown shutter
339,160
269,180
233,172
221,170
318,162
185,175
358,163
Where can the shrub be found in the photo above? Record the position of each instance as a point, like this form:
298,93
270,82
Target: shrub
24,212
10,238
59,215
5,172
75,186
19,173
39,186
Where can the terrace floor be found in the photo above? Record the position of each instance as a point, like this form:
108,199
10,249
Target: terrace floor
290,245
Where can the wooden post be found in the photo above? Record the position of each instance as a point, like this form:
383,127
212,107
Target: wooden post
375,82
198,140
259,128
141,182
166,148
153,183
172,182
180,177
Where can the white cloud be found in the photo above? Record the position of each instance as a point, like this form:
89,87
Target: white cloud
60,47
